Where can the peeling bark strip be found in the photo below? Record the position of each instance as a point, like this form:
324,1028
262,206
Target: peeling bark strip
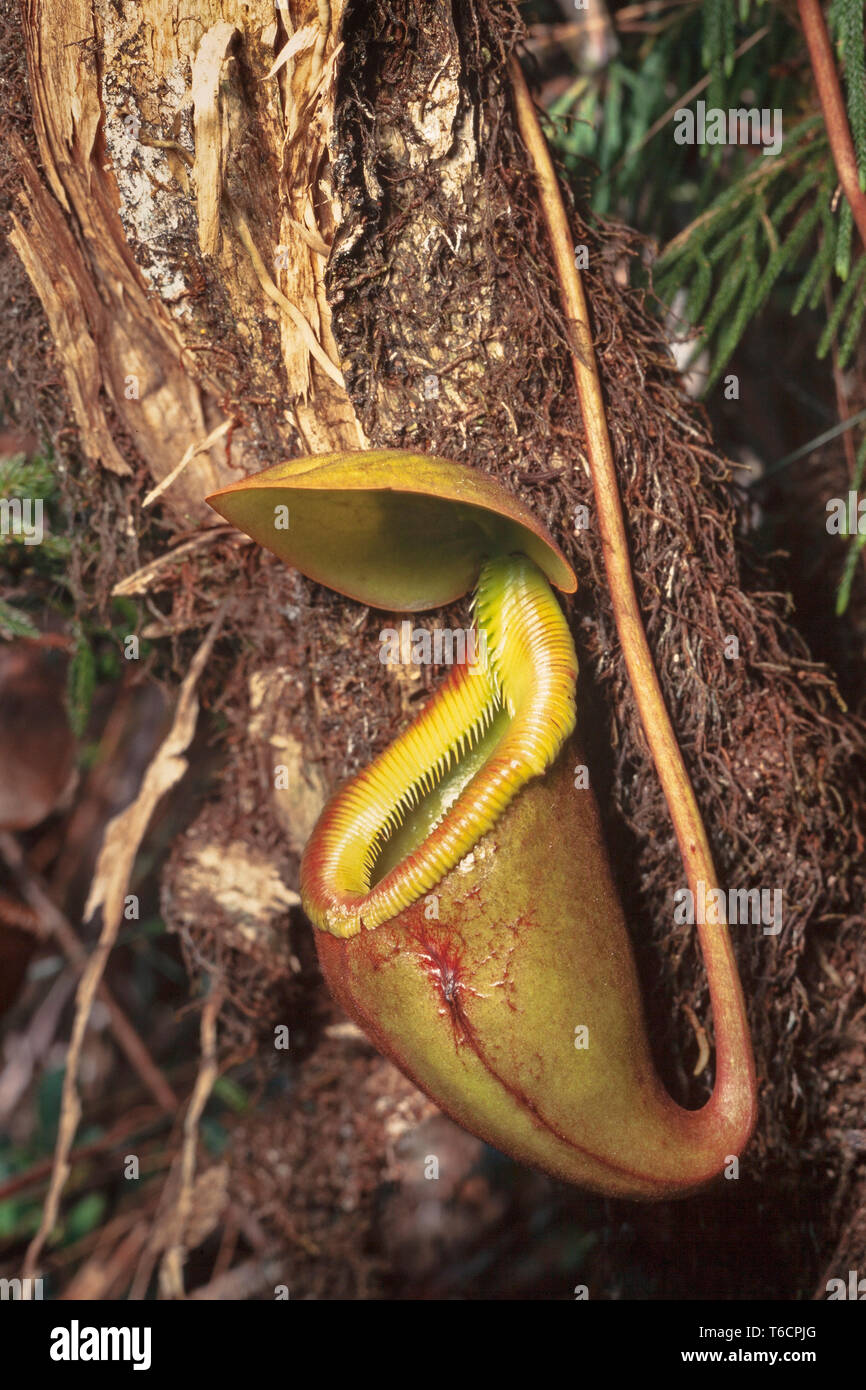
73,310
211,131
152,129
129,371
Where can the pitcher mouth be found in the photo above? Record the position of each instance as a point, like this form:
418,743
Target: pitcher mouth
394,832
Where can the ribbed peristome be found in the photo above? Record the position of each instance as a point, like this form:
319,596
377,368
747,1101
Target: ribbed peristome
518,696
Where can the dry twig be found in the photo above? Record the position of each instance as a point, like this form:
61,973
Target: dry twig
48,921
110,880
171,1272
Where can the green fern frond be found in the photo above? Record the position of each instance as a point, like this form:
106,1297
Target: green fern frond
730,287
849,568
787,204
843,239
717,51
802,148
757,288
735,327
787,212
14,623
851,332
80,684
787,251
851,285
812,284
757,222
847,23
700,291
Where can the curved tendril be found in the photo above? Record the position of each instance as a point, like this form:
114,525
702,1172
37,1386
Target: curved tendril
447,778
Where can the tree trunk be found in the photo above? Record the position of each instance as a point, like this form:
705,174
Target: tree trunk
266,230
